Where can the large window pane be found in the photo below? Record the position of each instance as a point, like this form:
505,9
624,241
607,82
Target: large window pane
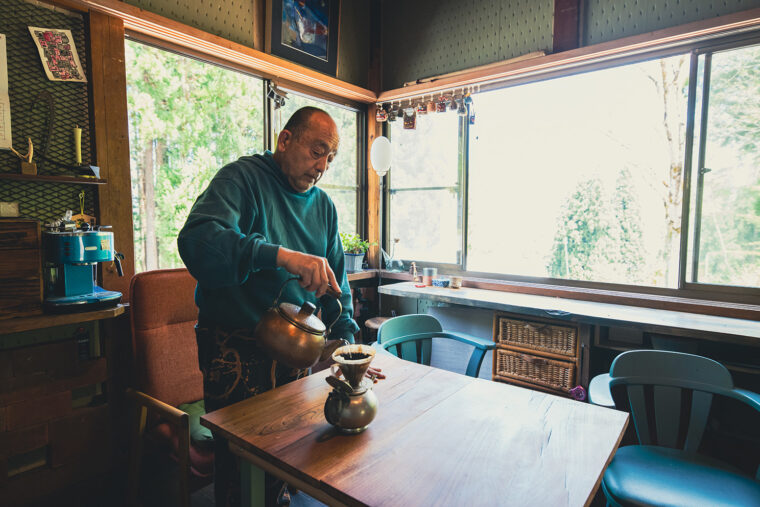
726,181
340,181
186,120
425,203
580,177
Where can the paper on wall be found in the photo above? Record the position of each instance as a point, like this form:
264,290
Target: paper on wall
58,54
5,103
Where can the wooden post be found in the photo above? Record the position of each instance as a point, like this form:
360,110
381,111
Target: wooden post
109,109
566,25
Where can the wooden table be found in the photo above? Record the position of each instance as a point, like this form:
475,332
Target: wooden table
439,438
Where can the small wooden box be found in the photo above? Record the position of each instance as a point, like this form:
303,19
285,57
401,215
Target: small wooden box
20,268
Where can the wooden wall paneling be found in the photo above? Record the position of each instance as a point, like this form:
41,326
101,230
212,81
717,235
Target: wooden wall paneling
109,106
373,192
374,129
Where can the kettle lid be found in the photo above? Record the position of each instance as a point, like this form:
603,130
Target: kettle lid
302,317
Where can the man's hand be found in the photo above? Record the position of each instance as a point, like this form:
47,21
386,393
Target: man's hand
375,373
314,271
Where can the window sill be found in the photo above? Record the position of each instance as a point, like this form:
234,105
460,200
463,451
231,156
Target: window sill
678,304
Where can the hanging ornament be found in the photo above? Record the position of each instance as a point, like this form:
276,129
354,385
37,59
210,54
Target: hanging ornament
392,113
381,114
440,107
431,108
452,103
461,109
421,108
410,119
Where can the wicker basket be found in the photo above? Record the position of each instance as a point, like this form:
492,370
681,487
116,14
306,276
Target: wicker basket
538,336
536,370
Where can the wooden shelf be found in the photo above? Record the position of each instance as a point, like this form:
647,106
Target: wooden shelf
49,320
56,179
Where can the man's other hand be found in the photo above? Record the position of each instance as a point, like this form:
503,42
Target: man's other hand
314,271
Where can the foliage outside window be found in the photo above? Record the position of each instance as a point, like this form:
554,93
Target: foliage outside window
340,181
187,119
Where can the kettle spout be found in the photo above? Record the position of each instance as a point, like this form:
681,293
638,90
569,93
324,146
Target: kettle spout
330,347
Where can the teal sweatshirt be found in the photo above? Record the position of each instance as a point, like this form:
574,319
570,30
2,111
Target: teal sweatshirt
230,240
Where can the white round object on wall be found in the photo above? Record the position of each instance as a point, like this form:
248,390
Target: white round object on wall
380,155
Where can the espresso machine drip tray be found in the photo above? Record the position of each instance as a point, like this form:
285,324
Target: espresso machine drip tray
97,300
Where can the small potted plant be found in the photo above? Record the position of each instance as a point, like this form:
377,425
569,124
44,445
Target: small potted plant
354,247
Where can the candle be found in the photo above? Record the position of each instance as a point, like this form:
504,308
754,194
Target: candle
78,144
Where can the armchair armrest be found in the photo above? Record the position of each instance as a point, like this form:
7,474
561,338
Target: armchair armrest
475,341
176,417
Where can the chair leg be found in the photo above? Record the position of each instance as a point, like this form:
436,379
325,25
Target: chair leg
138,430
476,359
183,449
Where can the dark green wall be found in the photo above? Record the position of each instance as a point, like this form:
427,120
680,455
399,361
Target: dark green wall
427,38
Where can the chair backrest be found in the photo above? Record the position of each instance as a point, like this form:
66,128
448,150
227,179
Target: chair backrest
669,394
164,351
405,325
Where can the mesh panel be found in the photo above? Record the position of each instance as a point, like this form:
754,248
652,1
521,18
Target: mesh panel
28,87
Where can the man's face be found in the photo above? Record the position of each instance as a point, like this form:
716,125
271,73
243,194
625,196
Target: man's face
306,158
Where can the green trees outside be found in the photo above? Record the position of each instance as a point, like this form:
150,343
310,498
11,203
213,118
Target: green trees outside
187,119
600,237
729,228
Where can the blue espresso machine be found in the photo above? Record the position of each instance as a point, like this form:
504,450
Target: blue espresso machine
71,259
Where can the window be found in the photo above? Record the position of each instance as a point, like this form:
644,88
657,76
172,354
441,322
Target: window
426,190
340,181
187,119
725,208
571,178
581,178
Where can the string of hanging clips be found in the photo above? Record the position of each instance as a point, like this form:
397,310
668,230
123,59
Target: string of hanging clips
458,100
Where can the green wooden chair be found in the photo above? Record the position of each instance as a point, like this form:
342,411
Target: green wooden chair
669,395
410,337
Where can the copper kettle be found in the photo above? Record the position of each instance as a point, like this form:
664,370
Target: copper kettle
293,335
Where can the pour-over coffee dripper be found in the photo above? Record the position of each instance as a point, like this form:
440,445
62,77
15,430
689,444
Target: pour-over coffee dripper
352,403
353,361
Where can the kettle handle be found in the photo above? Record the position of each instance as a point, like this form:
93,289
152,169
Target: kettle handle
330,291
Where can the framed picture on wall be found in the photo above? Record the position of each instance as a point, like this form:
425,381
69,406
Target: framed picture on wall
304,32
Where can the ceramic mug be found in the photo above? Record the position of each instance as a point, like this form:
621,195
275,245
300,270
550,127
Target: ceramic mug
456,282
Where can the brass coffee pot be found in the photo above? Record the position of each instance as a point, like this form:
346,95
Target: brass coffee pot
352,404
293,335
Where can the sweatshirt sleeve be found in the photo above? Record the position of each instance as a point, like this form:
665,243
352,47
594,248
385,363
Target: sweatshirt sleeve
212,243
345,327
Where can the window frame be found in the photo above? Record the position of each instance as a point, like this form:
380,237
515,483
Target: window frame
707,49
702,291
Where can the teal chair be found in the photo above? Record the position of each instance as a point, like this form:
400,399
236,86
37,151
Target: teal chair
669,395
410,338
